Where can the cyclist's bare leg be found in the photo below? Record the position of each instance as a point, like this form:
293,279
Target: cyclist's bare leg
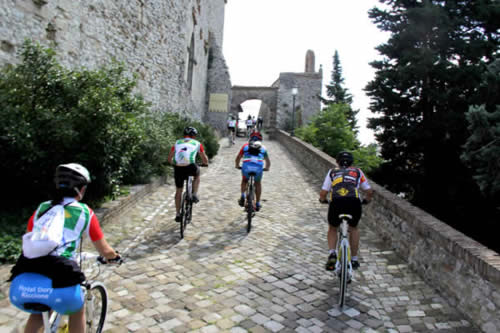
178,196
77,322
34,323
332,237
354,240
244,184
196,184
258,190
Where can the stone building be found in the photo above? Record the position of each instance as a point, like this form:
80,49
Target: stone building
174,47
277,100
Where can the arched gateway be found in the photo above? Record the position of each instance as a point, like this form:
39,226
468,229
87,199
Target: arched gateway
268,96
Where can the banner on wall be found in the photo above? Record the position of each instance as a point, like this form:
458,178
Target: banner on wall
217,103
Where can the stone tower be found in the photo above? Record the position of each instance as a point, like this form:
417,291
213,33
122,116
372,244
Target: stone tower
309,61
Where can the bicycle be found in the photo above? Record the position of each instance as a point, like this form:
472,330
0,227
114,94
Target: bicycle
249,199
186,212
95,299
343,266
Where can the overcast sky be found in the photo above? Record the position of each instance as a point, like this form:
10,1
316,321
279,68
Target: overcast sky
263,38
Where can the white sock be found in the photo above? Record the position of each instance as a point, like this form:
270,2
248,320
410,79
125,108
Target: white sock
332,251
355,258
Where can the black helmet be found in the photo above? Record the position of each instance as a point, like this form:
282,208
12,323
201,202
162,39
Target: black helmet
71,175
344,159
190,131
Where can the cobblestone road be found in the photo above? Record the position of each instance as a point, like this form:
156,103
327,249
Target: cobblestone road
221,279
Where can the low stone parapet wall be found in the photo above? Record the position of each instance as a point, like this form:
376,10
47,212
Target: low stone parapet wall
114,209
463,270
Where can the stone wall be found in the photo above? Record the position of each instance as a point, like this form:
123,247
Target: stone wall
151,37
464,271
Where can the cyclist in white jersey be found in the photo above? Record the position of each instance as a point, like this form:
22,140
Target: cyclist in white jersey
231,126
60,265
183,157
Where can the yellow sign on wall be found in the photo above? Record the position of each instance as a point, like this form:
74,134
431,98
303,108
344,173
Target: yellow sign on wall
217,103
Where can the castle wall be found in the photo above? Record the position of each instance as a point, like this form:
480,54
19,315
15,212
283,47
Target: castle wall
151,37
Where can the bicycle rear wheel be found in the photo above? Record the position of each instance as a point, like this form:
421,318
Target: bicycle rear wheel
250,205
183,213
343,274
96,308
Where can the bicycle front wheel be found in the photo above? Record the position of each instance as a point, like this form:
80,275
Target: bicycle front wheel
96,307
343,274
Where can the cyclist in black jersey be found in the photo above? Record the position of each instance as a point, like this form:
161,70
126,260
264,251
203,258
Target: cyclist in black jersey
343,186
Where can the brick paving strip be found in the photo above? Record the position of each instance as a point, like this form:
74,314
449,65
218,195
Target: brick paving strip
221,279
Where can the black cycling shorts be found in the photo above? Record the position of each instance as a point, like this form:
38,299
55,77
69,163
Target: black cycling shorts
231,129
181,173
351,206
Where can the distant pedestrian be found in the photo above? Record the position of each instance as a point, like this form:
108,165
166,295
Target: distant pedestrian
260,122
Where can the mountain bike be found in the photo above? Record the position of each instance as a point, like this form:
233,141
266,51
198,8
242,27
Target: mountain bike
95,299
343,266
186,212
249,199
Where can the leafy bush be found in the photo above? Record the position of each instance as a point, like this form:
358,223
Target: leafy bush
50,115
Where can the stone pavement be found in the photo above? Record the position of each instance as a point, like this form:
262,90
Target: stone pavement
221,279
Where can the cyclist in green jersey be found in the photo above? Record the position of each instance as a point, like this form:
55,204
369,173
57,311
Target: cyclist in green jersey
183,157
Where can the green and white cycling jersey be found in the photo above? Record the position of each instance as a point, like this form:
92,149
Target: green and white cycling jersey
186,150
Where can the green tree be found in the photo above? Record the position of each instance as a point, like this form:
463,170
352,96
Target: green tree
430,74
338,94
482,148
330,132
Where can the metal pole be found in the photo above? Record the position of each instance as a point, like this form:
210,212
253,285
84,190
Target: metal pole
293,117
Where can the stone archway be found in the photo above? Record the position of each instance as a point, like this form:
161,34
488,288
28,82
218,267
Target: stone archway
268,96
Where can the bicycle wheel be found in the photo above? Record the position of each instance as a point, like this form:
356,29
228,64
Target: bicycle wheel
189,212
250,204
183,213
96,306
343,274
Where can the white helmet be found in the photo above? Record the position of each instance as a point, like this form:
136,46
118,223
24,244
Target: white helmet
71,175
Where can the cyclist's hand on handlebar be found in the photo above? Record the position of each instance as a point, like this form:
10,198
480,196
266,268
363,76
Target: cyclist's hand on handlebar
115,261
266,169
237,167
204,165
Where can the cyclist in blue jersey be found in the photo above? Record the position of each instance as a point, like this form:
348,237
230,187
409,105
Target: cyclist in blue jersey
254,154
183,157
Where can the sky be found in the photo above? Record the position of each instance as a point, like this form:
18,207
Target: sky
263,38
